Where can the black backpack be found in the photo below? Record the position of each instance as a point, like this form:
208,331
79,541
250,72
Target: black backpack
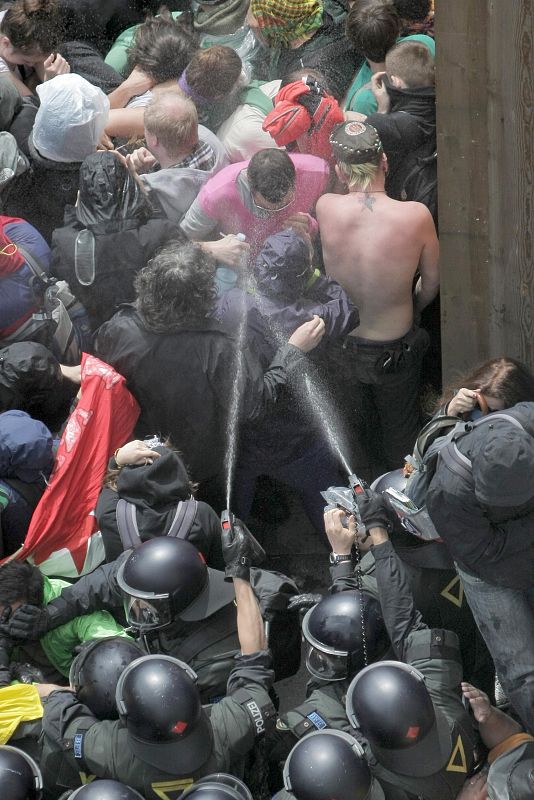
126,516
421,177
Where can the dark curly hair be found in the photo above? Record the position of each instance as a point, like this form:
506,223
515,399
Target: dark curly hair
22,582
176,288
162,48
271,173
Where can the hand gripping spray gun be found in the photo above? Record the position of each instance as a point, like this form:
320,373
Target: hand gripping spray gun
256,551
344,497
228,522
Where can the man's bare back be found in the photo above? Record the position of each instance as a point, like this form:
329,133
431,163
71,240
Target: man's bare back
373,246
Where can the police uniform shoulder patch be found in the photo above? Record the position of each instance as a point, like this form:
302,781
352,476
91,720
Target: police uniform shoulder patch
457,761
454,591
316,720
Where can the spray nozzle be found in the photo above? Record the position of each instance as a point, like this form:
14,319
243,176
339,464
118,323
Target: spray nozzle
357,485
229,522
344,497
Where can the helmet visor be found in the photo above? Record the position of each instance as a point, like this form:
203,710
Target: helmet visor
326,666
145,615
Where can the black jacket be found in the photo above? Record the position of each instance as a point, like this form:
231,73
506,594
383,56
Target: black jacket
495,544
184,382
408,135
40,196
119,255
155,490
329,51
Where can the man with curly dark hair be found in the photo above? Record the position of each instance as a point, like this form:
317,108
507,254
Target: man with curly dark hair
180,365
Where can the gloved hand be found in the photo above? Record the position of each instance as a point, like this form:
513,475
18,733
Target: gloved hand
239,549
27,673
28,623
374,510
302,602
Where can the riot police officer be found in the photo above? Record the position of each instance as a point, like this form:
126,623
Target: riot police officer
409,717
103,790
329,764
20,777
165,739
174,602
220,786
96,670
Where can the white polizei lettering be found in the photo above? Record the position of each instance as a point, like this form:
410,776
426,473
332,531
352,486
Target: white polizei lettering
256,716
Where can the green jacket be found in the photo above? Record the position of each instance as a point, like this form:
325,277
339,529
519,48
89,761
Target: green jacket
59,644
360,96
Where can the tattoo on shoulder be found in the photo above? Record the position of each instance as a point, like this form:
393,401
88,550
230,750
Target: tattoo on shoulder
367,201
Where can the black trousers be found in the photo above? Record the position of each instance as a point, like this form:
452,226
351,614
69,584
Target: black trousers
377,387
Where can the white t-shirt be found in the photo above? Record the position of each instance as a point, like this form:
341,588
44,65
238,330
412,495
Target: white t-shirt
242,134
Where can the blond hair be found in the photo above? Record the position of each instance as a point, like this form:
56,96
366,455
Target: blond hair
360,175
173,119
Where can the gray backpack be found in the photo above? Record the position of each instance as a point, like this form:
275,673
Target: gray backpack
437,441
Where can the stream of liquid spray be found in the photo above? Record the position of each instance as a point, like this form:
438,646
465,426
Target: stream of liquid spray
236,400
319,405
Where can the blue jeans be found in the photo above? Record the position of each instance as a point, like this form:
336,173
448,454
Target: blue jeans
505,618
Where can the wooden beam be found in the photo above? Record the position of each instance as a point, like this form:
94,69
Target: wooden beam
485,91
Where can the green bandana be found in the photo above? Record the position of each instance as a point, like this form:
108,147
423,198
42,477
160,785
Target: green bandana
284,21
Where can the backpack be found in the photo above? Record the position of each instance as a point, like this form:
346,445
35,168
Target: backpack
126,516
421,178
61,323
435,443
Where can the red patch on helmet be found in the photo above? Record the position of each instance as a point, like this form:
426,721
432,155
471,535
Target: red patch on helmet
179,727
413,732
201,556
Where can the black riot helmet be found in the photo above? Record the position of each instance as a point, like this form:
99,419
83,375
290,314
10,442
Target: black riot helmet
105,790
20,777
327,764
95,672
166,578
159,703
218,786
390,704
396,479
334,632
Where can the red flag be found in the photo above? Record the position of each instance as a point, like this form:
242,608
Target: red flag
63,523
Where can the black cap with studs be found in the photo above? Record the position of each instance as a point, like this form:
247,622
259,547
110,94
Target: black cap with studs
356,143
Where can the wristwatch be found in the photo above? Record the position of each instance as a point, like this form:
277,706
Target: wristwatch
336,558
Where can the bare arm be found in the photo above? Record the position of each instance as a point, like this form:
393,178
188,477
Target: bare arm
427,285
126,122
250,628
137,82
495,726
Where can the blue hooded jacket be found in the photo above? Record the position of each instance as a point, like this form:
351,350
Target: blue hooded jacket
26,457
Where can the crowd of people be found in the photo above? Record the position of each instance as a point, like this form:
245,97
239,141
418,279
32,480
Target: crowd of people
219,262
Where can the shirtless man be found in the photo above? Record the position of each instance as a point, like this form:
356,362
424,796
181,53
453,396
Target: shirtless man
374,246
